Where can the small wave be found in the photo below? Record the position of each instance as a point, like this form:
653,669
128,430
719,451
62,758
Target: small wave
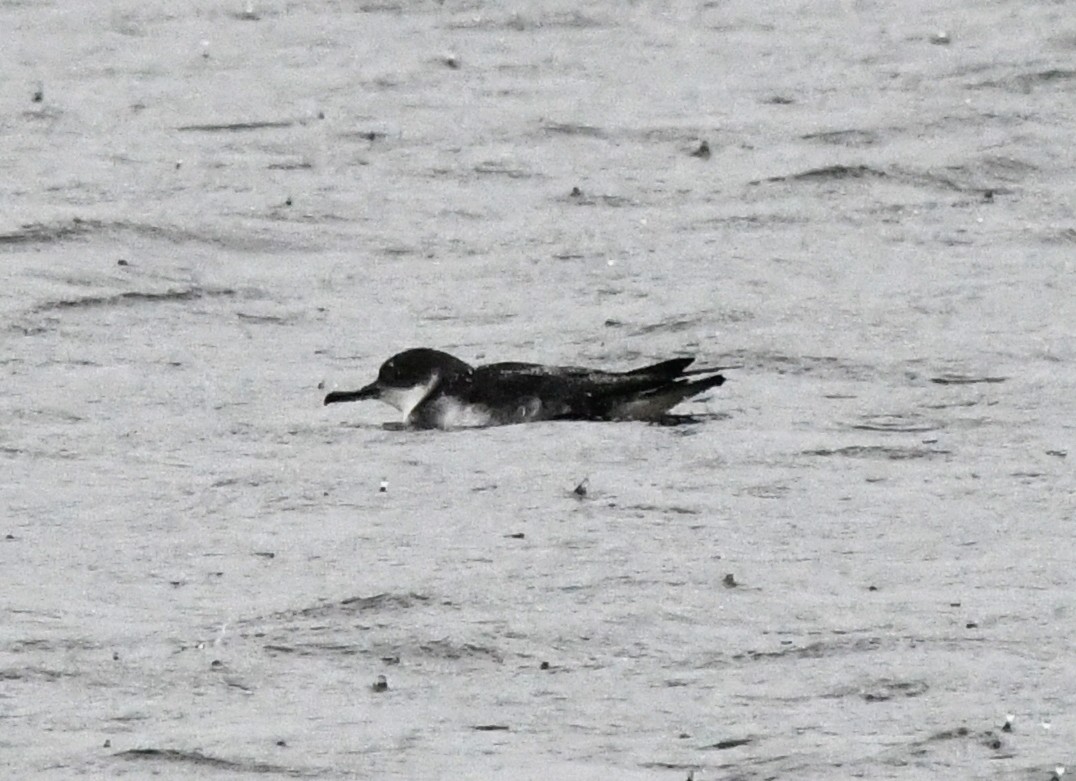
1026,82
878,451
238,127
826,174
352,605
963,379
850,137
197,758
78,228
573,129
136,297
955,179
896,423
41,233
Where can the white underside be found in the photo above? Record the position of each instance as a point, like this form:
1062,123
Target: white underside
449,413
446,412
443,413
406,399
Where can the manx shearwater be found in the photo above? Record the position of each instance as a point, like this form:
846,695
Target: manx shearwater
436,390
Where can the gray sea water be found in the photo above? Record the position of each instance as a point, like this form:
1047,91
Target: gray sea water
859,563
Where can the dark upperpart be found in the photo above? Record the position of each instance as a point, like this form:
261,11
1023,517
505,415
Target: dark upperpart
427,384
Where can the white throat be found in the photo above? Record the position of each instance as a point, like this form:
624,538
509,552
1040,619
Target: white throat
406,399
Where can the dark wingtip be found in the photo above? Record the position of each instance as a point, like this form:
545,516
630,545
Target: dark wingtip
695,387
711,370
670,368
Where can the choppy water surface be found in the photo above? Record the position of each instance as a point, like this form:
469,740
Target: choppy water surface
857,563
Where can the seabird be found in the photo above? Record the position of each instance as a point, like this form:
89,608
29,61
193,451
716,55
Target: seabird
436,390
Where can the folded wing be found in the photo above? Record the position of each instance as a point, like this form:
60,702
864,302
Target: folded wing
527,391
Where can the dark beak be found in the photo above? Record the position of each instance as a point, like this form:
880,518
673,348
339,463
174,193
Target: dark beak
371,391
